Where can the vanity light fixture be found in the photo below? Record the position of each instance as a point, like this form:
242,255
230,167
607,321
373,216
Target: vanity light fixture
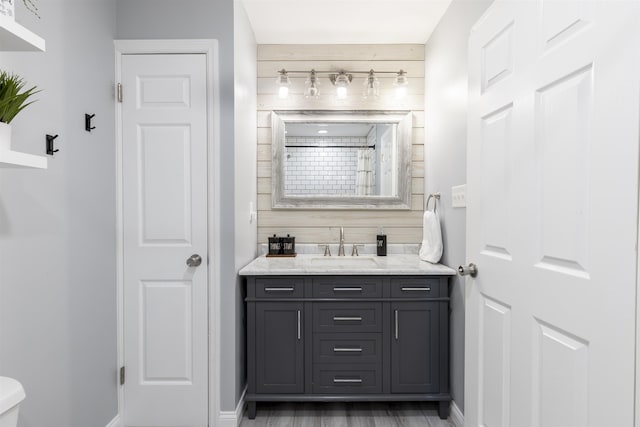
401,84
312,83
341,81
283,84
371,84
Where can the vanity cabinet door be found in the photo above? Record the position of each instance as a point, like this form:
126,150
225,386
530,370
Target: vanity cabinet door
279,347
415,347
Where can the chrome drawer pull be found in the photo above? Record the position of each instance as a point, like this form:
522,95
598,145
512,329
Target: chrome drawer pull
346,350
278,289
357,289
347,319
347,380
415,289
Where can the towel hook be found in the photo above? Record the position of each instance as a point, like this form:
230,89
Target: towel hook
436,197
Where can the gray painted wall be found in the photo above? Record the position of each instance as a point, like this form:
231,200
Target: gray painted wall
57,226
446,152
246,90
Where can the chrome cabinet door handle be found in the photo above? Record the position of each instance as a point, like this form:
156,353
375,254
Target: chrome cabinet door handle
194,260
299,325
395,313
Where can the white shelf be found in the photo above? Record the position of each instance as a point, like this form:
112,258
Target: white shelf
15,37
16,159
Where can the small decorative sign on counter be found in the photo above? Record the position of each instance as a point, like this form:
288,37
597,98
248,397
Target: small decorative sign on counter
282,246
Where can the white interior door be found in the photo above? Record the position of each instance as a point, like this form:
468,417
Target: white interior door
164,167
552,214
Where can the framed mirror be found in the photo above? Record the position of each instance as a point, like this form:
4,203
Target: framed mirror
341,159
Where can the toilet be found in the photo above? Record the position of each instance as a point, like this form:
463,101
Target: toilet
11,394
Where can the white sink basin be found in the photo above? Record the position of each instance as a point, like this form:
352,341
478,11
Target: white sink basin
344,262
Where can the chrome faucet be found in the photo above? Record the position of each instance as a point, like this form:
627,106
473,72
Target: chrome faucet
341,247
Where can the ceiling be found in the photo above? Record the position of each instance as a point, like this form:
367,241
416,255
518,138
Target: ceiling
344,21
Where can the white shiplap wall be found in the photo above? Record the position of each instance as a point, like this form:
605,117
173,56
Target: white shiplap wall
321,226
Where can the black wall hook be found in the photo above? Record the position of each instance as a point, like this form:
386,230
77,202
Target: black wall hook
87,122
50,139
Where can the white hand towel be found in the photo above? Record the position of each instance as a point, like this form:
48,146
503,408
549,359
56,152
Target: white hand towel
431,248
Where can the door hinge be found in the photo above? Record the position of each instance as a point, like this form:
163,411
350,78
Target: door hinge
119,92
122,375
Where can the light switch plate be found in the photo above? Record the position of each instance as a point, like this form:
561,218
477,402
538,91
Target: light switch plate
459,196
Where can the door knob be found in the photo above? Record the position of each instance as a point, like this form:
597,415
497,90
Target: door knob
194,260
470,270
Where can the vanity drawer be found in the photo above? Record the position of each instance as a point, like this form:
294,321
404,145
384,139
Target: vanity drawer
347,348
347,379
347,317
340,287
279,288
418,288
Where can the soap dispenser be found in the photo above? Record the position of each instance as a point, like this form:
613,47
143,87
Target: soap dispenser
381,243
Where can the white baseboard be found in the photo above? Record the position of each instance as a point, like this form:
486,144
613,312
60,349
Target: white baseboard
115,422
456,416
232,418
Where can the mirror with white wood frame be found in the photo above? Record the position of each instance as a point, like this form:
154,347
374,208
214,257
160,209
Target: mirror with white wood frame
341,159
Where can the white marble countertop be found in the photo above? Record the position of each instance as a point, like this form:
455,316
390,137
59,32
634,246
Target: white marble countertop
317,264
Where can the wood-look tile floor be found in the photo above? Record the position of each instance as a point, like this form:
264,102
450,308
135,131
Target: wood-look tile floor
348,414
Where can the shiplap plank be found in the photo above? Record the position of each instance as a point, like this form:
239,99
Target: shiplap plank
417,202
264,118
417,169
328,218
414,69
417,152
264,153
264,136
352,235
417,136
417,186
264,169
264,201
328,52
264,186
353,101
264,198
268,86
418,118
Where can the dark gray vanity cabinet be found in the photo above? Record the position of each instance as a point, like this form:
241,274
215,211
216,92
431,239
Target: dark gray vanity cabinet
348,338
279,347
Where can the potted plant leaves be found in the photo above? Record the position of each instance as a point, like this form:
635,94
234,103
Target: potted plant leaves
13,99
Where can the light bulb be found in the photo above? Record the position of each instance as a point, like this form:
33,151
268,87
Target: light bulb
341,92
283,84
283,92
371,84
342,82
401,84
312,90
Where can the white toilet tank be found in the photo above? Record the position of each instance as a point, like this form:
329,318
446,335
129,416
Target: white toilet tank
11,394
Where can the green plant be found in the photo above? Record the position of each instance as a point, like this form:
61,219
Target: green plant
31,7
12,98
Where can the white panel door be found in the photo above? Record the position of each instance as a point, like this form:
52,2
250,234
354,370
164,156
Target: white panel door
552,189
164,162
